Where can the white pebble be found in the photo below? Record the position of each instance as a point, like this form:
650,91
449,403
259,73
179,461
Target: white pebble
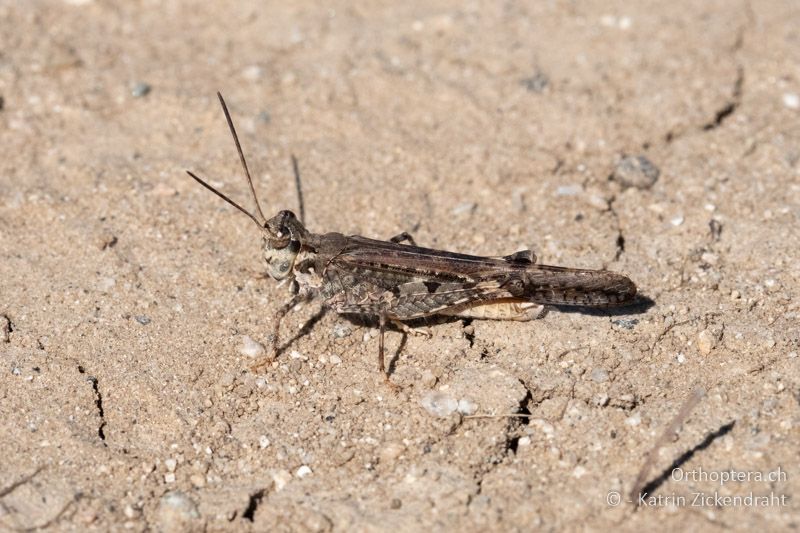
467,407
169,477
335,359
466,207
105,284
176,510
677,221
303,471
250,347
569,190
634,420
599,375
709,258
263,441
439,404
791,100
280,479
253,72
524,441
171,464
681,358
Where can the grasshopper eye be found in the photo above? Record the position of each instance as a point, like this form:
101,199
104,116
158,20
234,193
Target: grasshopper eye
284,266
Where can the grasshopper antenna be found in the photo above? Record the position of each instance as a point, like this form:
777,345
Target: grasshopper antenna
224,197
241,156
299,187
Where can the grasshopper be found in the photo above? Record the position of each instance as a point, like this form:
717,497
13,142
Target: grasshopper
398,282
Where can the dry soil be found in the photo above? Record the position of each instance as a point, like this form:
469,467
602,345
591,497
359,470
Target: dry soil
659,139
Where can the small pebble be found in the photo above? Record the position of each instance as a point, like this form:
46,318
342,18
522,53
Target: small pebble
634,420
536,83
636,171
428,379
281,478
341,330
676,221
597,201
106,240
297,355
5,329
681,358
176,511
335,359
439,404
709,258
253,73
465,208
518,200
171,464
169,477
391,451
569,190
626,401
600,399
524,441
143,320
599,375
791,100
141,89
250,347
303,471
467,407
163,190
198,480
263,442
625,323
706,342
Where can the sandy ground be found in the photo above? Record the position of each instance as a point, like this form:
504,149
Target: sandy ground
127,291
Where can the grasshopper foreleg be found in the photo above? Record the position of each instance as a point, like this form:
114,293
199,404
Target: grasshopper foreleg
273,351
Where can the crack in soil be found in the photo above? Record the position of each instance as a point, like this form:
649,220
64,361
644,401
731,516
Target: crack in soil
729,107
98,402
252,505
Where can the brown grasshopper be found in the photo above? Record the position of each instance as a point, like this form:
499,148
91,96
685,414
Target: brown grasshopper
400,282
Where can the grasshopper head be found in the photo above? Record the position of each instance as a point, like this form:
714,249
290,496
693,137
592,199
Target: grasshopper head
283,236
